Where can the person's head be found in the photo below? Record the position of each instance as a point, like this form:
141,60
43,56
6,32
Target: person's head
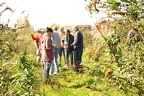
67,32
49,31
75,28
54,28
41,31
62,30
134,30
47,27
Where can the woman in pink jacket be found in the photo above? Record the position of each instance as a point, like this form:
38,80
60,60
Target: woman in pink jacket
47,52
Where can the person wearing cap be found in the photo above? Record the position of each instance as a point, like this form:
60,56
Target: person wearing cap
37,44
78,47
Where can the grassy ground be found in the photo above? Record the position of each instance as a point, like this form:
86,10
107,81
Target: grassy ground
86,83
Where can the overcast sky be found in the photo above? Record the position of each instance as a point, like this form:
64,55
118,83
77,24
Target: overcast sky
45,12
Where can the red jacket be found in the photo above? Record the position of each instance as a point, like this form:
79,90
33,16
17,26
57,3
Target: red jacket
37,38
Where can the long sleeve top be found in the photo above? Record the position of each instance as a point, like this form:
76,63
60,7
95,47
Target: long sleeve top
37,39
68,40
78,39
61,39
46,48
56,39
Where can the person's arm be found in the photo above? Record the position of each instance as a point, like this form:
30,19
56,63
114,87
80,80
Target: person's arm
34,37
76,39
49,45
72,39
41,31
36,44
62,41
128,35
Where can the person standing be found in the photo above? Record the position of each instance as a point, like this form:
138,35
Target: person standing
37,44
56,43
47,52
68,40
78,47
61,51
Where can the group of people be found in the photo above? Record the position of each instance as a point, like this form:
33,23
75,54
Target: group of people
51,43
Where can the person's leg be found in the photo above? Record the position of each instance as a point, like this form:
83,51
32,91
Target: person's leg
56,51
52,67
71,56
66,57
38,58
46,68
76,59
63,53
47,65
59,60
38,55
60,55
80,56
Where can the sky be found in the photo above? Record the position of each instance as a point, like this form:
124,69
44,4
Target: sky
46,12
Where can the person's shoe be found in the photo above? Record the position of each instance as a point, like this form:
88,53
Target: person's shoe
47,81
67,66
50,73
76,69
59,64
56,73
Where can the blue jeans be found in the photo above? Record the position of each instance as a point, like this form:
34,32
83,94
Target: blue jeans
78,55
67,54
46,67
61,51
54,62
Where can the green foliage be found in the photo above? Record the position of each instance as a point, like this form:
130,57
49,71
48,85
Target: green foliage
127,57
88,38
5,80
26,21
133,7
129,60
113,4
17,76
7,46
23,21
54,25
131,68
25,78
19,73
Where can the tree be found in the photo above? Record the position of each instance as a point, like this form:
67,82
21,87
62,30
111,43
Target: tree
129,74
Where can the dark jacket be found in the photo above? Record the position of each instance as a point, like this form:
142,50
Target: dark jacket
78,40
68,40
